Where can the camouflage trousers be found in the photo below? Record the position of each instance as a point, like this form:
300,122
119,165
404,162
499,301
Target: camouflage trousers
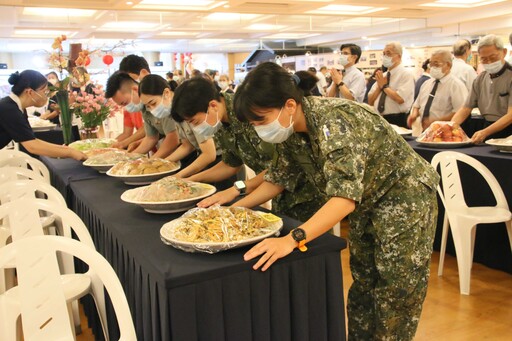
390,250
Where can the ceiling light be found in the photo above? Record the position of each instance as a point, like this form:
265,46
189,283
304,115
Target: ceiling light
180,4
129,3
176,33
128,25
346,9
460,3
58,12
290,36
230,16
264,27
41,33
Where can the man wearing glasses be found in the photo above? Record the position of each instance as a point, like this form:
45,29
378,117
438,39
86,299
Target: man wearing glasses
351,83
440,96
393,92
491,92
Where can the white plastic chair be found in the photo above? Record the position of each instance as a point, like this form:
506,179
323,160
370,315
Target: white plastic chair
27,162
463,219
8,153
43,304
23,217
9,173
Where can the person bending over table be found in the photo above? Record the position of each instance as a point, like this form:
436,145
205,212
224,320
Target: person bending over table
29,88
198,102
369,173
491,92
156,96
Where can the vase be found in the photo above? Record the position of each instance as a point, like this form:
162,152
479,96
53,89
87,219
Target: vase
65,115
89,133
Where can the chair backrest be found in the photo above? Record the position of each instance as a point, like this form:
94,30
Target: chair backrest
27,162
39,259
17,189
9,173
8,153
451,192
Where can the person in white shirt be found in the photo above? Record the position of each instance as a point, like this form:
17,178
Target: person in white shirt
393,92
510,41
351,83
322,80
440,96
460,69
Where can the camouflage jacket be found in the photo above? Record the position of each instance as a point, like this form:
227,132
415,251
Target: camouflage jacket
349,151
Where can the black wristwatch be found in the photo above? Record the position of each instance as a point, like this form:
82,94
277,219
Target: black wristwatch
299,235
340,84
240,187
384,87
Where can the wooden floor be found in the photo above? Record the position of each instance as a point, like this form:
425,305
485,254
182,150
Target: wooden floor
486,314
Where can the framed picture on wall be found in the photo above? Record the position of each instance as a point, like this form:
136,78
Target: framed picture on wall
372,56
373,62
362,59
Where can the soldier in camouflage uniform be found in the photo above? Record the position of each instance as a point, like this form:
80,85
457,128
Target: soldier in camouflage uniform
349,151
241,145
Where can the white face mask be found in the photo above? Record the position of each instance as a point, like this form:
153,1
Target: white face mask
344,59
274,132
223,85
216,78
493,68
205,129
437,72
132,107
387,61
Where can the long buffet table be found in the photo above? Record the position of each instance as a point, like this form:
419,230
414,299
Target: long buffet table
492,247
175,295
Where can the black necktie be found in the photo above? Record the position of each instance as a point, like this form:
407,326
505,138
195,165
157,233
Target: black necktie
383,95
426,112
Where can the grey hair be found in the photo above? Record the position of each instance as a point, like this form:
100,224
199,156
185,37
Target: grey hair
446,55
491,40
396,46
461,47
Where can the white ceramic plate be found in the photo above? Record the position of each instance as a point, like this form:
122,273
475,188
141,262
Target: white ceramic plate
163,207
503,145
84,145
144,179
444,145
401,130
99,167
167,237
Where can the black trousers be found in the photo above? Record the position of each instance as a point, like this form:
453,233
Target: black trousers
399,119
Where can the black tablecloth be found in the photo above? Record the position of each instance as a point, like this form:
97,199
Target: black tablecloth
492,247
174,295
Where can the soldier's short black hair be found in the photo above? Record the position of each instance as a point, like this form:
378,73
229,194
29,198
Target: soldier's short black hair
116,81
269,86
134,64
192,96
425,64
354,50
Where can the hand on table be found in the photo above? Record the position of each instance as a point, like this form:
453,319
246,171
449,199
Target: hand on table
220,198
77,155
478,137
119,145
132,146
425,123
271,250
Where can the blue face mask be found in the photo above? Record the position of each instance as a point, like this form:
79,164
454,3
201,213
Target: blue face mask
132,107
161,110
206,130
274,132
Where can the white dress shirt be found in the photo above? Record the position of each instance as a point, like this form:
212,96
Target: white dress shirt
322,82
464,72
450,95
355,82
402,81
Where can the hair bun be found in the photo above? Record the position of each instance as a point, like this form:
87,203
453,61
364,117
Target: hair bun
14,78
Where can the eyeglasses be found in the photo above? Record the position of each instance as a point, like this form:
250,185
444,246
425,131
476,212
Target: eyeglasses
46,93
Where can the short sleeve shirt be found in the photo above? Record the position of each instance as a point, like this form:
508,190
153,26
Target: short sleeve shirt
157,126
13,122
492,96
349,151
133,119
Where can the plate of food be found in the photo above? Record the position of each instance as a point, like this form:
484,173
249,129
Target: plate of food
88,144
444,134
38,124
401,130
503,145
104,159
143,171
218,228
168,195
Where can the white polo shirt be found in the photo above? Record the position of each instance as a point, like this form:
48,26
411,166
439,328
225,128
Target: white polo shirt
464,72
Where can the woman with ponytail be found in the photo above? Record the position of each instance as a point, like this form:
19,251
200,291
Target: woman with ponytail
367,172
29,88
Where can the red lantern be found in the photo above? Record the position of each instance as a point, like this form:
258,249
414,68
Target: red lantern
87,61
108,59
